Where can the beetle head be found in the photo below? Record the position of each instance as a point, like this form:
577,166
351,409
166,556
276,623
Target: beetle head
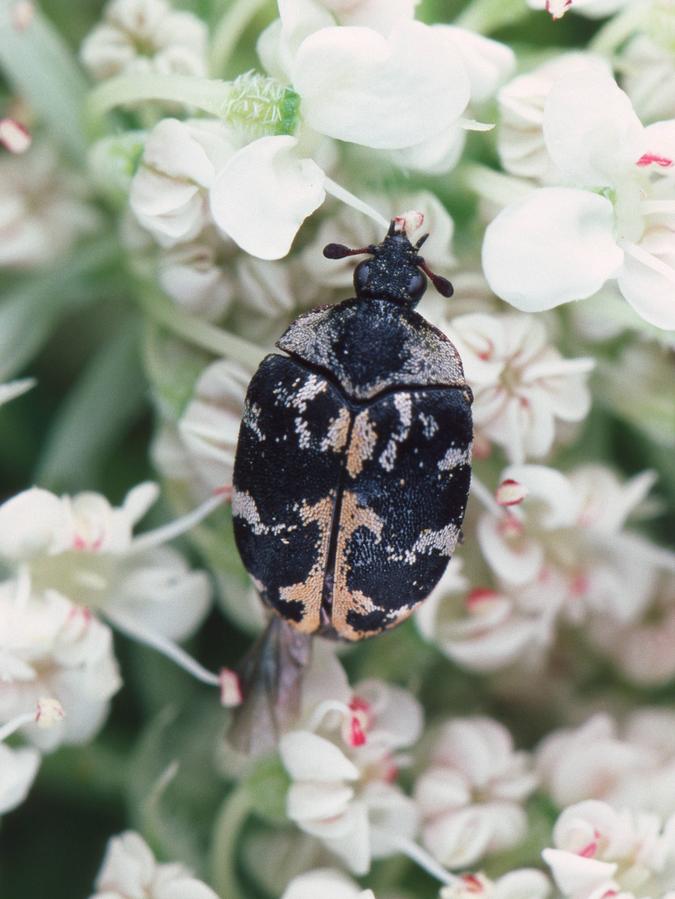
395,270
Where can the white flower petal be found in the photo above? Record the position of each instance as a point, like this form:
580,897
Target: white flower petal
525,883
647,279
591,131
30,523
359,86
554,246
307,756
312,805
488,62
325,883
18,768
263,195
578,876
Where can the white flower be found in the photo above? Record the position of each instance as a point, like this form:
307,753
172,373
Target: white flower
195,276
587,762
264,193
169,192
567,538
342,764
520,135
326,884
130,871
523,883
83,548
485,629
356,84
138,36
593,9
644,651
51,647
18,768
200,452
600,850
648,71
471,795
520,381
43,208
12,389
564,243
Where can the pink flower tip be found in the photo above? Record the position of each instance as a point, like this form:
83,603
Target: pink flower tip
231,693
23,12
557,8
478,596
510,493
409,221
48,712
224,491
653,159
14,136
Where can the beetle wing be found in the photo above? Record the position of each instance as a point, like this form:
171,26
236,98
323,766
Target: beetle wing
287,469
405,493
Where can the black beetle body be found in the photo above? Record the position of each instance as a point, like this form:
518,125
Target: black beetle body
352,469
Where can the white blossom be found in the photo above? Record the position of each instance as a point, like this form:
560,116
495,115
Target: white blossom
138,36
520,134
471,795
325,883
564,243
18,768
169,192
82,550
521,383
648,77
523,883
342,764
43,208
644,650
385,92
196,276
600,850
199,452
587,762
567,538
486,629
130,871
51,647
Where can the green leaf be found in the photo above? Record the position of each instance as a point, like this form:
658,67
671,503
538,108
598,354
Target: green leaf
41,68
95,415
29,312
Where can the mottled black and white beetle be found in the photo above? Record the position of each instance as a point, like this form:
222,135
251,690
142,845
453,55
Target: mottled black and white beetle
353,464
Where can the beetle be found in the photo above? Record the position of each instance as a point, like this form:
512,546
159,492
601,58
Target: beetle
352,468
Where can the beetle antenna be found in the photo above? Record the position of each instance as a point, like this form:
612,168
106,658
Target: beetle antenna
339,251
442,285
422,240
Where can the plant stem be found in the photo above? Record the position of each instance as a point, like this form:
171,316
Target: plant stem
209,95
208,337
618,29
487,16
494,186
234,812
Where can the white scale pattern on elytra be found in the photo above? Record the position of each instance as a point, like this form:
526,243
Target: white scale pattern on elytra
455,456
403,404
251,420
244,506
